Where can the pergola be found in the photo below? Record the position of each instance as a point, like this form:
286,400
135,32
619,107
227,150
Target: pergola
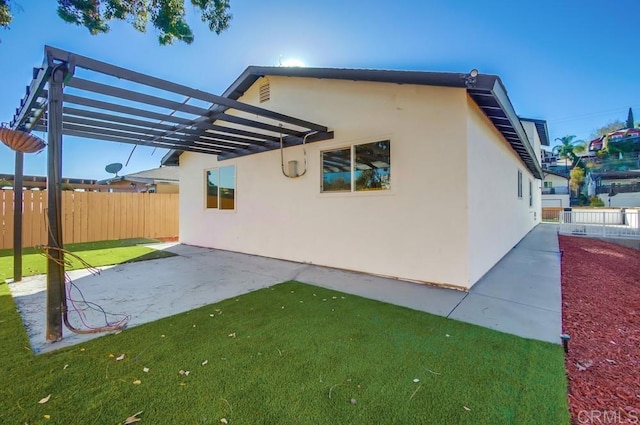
73,95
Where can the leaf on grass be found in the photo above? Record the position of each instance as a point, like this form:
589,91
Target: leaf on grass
232,335
111,355
184,372
466,408
137,382
65,366
120,357
82,349
44,400
224,421
133,418
47,417
416,380
205,362
145,369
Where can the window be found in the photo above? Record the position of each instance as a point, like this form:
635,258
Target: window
336,170
221,188
548,184
358,168
530,193
519,184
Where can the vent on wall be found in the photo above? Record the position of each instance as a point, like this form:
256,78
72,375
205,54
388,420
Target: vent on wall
265,92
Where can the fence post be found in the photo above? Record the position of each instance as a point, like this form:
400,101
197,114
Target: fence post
604,224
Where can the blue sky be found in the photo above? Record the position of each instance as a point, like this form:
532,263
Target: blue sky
572,63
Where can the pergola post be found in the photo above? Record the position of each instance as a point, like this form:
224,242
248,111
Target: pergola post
55,259
17,216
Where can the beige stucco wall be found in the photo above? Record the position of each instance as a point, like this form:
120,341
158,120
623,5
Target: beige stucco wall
417,230
497,218
451,214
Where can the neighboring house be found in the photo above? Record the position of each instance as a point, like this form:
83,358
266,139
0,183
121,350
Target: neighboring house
430,177
156,180
555,190
548,159
616,188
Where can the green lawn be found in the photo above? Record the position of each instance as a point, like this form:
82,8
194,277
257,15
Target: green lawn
97,254
289,354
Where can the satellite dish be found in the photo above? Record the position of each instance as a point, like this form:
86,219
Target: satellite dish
113,168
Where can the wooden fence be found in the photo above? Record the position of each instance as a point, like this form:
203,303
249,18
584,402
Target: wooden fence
551,213
92,216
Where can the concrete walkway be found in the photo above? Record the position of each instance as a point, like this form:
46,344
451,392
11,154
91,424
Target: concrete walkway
520,295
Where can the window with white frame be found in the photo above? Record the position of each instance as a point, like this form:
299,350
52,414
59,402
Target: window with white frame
548,184
363,167
221,188
519,184
530,193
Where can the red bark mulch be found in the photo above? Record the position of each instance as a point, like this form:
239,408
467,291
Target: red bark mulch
601,313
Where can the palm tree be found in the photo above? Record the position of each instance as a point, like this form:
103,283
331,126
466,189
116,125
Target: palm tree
568,148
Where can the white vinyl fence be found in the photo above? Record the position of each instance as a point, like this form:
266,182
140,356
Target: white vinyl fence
605,223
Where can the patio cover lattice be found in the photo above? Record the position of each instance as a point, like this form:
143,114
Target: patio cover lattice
139,109
116,104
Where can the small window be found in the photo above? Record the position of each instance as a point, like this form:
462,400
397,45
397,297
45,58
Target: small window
519,184
358,168
530,193
221,188
548,184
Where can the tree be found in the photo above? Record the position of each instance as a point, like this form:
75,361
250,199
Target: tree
168,16
568,148
630,122
576,178
606,129
5,14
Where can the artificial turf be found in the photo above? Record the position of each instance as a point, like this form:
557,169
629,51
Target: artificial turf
288,354
97,254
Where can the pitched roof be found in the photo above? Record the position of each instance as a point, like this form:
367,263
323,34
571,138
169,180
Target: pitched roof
541,127
487,91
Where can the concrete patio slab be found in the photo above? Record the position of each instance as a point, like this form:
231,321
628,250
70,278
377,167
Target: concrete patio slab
520,295
510,317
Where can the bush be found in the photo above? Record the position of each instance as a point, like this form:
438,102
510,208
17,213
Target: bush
595,201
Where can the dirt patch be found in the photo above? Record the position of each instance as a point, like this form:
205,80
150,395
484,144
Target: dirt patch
601,313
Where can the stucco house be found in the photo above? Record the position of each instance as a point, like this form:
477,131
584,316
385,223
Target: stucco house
155,180
555,190
429,177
